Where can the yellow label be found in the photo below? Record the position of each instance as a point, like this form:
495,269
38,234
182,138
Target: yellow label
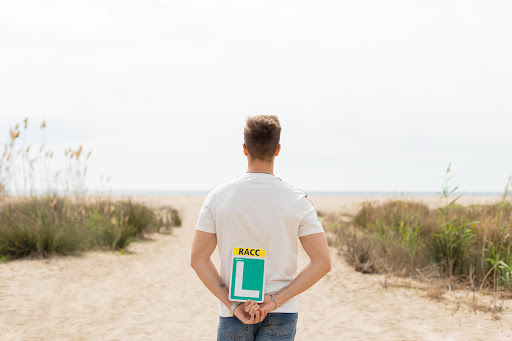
240,251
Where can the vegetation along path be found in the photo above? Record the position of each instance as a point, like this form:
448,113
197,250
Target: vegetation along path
152,293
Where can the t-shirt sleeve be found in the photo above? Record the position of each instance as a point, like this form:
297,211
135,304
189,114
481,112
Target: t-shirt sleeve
310,223
206,219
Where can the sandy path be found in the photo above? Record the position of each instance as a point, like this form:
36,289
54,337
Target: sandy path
153,294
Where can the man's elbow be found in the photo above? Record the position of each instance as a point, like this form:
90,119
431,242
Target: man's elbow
327,266
194,261
199,260
323,265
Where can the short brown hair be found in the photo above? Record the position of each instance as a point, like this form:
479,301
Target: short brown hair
261,135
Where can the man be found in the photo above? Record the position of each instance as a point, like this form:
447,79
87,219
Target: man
257,210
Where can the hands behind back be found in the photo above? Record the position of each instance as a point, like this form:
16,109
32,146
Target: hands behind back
251,313
267,305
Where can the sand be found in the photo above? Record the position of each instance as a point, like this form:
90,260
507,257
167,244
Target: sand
152,293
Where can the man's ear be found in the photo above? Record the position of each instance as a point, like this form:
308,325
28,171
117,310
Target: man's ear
278,149
245,149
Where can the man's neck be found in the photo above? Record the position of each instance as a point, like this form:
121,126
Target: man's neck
261,167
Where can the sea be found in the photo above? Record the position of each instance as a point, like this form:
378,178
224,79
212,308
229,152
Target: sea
312,193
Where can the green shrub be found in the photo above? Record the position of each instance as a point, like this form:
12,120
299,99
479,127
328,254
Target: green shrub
451,246
139,216
38,226
500,263
462,241
41,226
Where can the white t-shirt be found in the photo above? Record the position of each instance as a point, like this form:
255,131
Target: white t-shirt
260,211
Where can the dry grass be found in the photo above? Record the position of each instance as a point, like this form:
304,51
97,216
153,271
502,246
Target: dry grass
437,290
36,221
452,248
32,168
410,236
42,226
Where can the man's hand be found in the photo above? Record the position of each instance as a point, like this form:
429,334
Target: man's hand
249,313
267,305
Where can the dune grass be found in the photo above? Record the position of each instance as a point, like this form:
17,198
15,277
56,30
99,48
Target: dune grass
470,243
35,221
42,226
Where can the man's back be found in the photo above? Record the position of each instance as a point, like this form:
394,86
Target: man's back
257,210
260,211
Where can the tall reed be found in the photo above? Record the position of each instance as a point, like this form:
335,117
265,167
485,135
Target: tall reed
466,242
44,209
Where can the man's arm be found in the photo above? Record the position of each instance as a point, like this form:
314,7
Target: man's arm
316,248
202,248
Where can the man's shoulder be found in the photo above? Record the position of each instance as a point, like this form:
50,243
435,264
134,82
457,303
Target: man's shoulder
226,184
292,189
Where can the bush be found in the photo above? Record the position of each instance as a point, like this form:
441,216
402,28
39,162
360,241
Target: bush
451,246
461,241
41,226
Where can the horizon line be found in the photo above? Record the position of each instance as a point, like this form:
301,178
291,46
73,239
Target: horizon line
316,192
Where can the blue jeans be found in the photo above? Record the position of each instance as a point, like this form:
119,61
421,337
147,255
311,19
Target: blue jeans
275,327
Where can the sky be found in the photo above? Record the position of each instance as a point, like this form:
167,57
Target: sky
371,95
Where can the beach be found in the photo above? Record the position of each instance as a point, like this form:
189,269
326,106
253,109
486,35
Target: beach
152,293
